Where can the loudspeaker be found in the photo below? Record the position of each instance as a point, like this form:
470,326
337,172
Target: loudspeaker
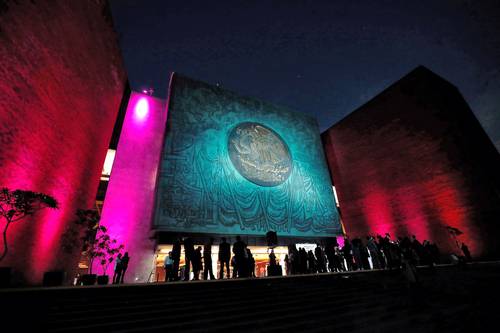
54,278
331,242
272,238
5,277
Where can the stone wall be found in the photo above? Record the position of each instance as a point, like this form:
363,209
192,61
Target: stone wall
62,80
414,160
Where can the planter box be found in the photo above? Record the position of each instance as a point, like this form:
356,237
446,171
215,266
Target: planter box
88,279
54,278
5,277
102,279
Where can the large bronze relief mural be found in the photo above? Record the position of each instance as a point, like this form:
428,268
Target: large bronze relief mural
259,154
235,165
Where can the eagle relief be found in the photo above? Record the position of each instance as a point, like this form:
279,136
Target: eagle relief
259,154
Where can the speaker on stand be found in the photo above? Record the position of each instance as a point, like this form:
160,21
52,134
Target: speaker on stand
272,242
272,239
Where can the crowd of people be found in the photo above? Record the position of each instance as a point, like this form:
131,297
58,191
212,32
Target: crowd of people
358,254
380,252
200,260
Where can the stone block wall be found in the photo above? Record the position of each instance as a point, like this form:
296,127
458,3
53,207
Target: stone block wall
61,82
414,160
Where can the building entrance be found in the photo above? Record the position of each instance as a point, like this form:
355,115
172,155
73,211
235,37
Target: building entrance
259,253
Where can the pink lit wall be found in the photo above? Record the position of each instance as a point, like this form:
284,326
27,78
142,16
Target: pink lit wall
414,160
128,206
61,83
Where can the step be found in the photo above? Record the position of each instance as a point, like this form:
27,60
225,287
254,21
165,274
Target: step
172,313
182,300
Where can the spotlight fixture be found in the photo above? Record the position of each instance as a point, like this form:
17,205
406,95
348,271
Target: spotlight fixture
148,91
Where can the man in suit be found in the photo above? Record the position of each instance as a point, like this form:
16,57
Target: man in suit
124,263
207,260
240,253
176,258
188,256
224,257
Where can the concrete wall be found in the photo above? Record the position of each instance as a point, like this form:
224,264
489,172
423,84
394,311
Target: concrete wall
129,204
414,160
61,82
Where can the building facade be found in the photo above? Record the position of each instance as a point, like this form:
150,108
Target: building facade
210,163
62,82
415,160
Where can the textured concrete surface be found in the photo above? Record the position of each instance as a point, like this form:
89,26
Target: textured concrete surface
414,160
62,80
130,198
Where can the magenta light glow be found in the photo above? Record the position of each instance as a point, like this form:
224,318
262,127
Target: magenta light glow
60,96
141,109
128,206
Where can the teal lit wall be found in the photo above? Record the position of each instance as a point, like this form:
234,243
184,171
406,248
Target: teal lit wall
200,190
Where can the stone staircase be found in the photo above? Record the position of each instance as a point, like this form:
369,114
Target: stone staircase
450,299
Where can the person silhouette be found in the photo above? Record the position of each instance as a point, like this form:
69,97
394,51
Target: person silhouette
312,265
287,264
271,268
224,257
374,252
197,264
118,269
466,252
320,259
338,260
207,260
347,253
188,256
176,258
125,260
272,258
233,265
410,272
239,250
168,266
251,263
294,258
303,260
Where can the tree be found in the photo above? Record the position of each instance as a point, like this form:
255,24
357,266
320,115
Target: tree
97,244
87,224
106,249
18,204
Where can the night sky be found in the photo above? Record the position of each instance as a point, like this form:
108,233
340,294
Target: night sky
325,58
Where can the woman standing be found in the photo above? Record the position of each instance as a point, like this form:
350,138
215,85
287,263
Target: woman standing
197,264
169,267
124,263
118,269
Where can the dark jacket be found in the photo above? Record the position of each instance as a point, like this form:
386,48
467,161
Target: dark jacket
188,247
176,251
224,251
239,249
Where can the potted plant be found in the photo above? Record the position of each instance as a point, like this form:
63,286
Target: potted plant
97,245
89,219
106,251
54,278
15,206
82,229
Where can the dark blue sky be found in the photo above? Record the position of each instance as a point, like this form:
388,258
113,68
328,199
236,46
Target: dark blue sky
325,58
